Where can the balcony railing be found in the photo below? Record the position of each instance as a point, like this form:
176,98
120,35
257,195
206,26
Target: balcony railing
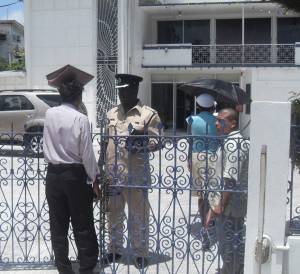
188,55
250,54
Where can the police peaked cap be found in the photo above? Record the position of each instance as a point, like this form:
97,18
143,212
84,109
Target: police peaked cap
126,80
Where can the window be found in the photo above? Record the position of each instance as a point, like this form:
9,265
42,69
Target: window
288,30
170,32
50,100
257,31
196,32
16,38
16,102
162,102
2,36
229,31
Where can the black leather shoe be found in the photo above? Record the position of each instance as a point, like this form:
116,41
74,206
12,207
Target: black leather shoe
87,272
110,257
141,262
69,271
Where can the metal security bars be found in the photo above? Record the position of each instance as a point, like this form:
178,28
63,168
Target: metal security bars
164,224
107,55
161,221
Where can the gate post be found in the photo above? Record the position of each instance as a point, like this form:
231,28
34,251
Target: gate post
270,126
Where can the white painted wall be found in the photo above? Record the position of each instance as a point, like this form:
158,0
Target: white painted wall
291,260
139,32
275,84
167,55
12,80
270,85
265,125
57,33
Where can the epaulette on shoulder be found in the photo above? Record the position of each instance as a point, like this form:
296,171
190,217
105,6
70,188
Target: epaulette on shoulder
112,110
150,109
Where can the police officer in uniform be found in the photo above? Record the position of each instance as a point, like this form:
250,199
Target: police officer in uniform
129,164
72,171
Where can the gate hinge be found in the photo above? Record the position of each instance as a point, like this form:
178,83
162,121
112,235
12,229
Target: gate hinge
266,249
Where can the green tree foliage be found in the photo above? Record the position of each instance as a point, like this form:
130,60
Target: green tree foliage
293,5
295,130
295,101
289,4
18,65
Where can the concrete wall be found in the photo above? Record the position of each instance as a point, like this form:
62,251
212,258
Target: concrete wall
61,32
291,258
275,84
139,33
12,80
266,120
269,85
167,55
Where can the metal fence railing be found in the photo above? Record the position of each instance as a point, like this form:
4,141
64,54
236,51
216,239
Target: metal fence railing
249,54
164,221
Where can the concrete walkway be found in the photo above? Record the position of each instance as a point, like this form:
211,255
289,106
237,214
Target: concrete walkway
174,215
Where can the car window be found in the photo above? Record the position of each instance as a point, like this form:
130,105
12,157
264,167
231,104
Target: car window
51,100
15,102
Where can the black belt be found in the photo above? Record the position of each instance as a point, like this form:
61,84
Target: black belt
65,166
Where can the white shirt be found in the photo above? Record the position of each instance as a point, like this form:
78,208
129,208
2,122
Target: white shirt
67,139
231,162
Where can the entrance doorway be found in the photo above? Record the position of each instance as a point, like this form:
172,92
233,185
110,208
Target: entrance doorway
172,105
184,108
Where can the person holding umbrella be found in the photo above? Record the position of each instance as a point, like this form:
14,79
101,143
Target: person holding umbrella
222,91
199,163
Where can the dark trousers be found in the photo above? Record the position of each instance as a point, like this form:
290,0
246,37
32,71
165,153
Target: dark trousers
232,244
71,198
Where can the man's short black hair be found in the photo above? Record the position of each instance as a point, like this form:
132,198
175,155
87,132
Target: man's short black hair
70,91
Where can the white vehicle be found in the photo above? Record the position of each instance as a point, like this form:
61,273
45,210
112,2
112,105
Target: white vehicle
22,116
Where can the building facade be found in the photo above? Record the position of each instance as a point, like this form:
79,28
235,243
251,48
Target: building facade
249,43
11,40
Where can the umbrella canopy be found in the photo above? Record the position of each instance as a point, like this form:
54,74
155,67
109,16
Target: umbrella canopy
222,91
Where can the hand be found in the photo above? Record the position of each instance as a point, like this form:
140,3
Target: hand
209,218
96,190
218,210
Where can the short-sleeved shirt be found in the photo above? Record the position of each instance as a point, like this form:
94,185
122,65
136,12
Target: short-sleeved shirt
67,139
203,124
231,163
119,160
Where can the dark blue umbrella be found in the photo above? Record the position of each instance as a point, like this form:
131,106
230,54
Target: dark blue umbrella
222,91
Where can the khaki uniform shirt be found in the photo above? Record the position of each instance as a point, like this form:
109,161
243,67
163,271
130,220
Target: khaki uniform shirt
121,161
